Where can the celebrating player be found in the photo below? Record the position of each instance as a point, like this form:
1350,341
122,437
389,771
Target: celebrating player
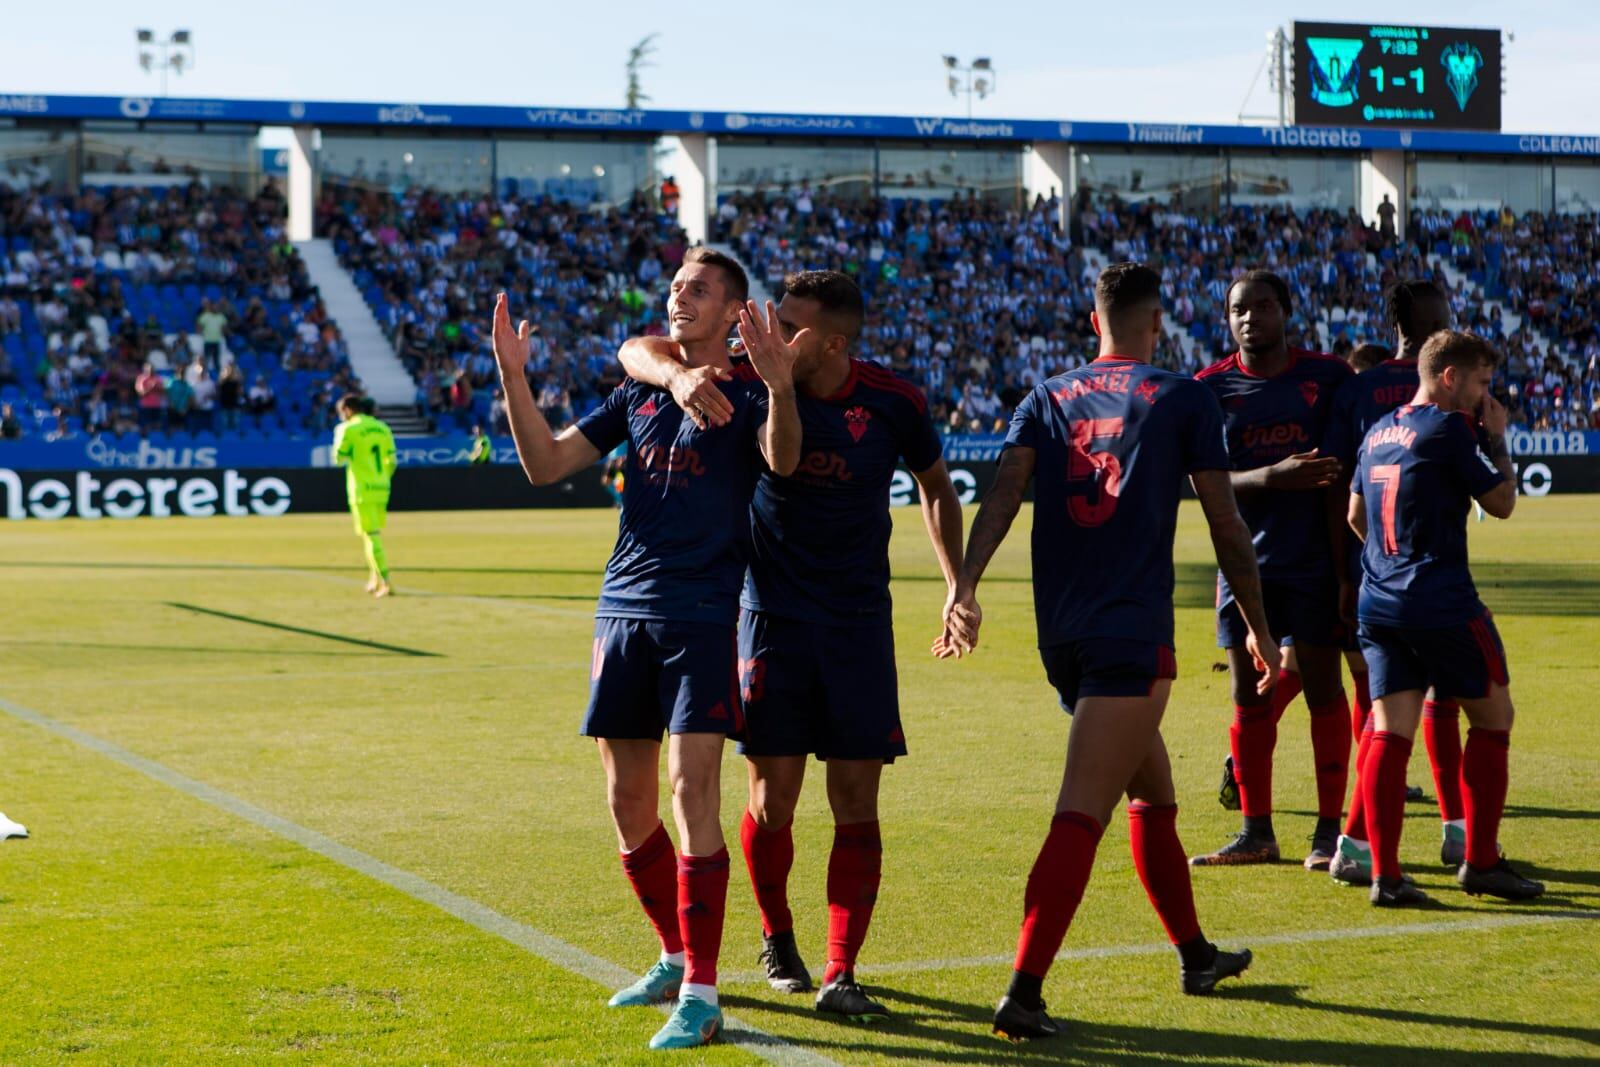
664,644
1111,443
1275,403
816,645
364,447
1421,620
1418,309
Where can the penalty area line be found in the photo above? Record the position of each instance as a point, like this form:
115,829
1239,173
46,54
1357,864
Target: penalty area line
551,949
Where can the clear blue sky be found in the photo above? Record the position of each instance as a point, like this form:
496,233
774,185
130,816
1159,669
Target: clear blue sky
1150,60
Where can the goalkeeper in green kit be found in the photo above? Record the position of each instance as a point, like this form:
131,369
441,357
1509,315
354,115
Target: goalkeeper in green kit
364,447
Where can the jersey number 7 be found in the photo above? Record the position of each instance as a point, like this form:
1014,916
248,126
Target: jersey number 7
1387,475
1094,478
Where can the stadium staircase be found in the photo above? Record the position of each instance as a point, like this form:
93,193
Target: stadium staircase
372,357
758,287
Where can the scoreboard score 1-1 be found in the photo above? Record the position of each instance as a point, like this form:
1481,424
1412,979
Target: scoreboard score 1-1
1418,77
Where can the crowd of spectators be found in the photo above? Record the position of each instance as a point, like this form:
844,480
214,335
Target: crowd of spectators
977,300
430,266
176,310
185,309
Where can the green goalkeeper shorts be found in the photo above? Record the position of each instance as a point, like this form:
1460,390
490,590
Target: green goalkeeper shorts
369,512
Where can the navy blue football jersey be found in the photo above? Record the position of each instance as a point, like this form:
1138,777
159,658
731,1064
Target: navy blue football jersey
820,538
1419,470
683,537
1267,420
1114,441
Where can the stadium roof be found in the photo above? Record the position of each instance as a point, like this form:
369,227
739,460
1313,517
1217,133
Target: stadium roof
333,114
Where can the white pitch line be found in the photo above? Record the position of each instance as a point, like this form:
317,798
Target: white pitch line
551,949
297,676
1303,937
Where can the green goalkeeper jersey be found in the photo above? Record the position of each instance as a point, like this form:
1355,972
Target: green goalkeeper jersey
364,447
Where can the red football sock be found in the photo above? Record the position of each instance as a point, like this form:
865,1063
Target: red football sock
652,869
1284,690
1362,709
1159,858
1483,770
1383,779
769,854
702,896
1330,750
1355,824
1441,732
854,868
1253,736
1055,886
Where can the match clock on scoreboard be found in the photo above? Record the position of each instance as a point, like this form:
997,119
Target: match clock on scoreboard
1418,77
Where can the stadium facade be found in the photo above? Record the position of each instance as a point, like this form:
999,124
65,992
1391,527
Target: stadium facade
608,154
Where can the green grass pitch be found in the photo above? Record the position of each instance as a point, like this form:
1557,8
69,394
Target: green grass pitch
143,925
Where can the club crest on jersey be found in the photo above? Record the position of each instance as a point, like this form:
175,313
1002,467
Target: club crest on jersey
855,420
1309,391
648,408
1146,392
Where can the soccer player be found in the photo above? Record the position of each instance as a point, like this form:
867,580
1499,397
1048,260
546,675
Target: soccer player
1110,444
664,657
816,644
1275,402
1421,620
364,447
1418,309
482,448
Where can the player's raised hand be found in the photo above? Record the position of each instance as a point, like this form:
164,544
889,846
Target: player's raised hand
762,335
1493,415
510,345
1268,659
695,390
1304,470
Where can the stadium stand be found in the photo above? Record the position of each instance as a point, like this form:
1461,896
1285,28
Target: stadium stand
429,265
973,299
111,298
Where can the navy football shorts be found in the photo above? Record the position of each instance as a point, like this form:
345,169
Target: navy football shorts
1106,667
649,676
812,689
1457,661
1303,611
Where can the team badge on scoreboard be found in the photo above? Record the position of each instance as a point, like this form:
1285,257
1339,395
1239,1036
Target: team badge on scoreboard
1461,63
1335,72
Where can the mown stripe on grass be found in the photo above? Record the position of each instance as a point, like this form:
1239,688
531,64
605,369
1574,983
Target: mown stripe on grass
551,949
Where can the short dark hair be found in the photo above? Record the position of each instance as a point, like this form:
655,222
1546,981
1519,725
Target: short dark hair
1279,287
1367,356
738,281
353,402
1455,348
1125,287
836,291
1402,303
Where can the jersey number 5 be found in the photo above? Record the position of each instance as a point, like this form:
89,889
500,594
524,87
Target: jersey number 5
1387,475
1094,478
